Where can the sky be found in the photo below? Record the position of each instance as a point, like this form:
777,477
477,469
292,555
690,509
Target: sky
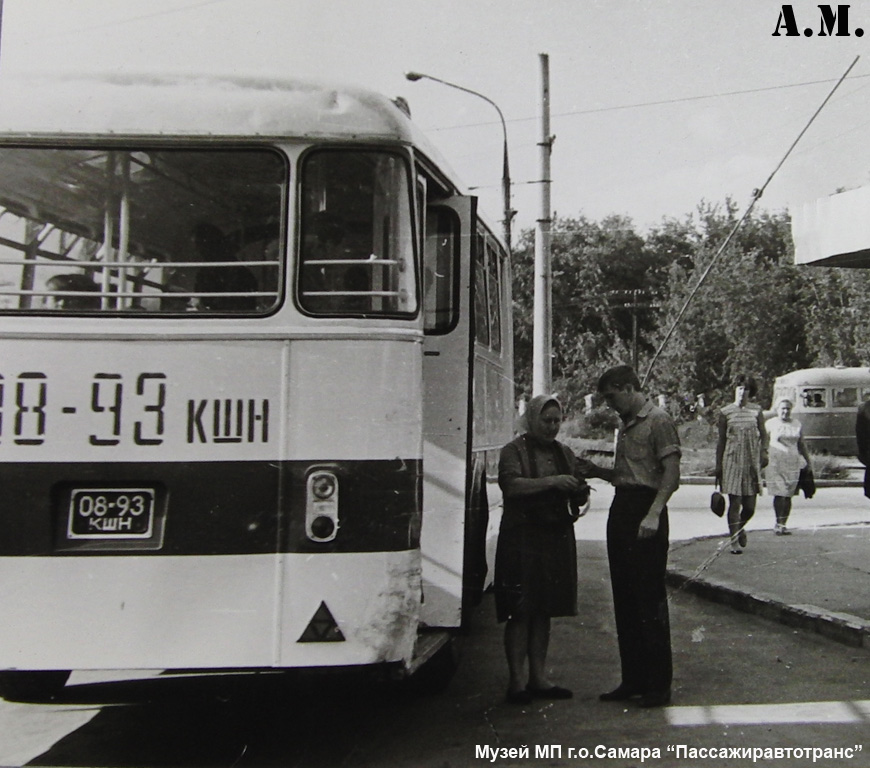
655,105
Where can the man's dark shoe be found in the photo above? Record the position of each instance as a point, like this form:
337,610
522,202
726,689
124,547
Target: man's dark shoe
655,699
622,693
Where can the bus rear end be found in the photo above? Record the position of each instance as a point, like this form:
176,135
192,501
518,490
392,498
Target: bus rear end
212,454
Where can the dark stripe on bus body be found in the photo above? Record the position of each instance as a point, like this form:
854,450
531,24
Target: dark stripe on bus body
216,508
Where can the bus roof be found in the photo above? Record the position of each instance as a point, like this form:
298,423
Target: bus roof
151,106
133,107
834,376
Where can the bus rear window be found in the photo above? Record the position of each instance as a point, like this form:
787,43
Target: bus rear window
356,235
166,231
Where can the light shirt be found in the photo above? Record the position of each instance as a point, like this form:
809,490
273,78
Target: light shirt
641,444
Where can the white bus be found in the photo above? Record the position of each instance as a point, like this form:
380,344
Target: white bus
826,404
255,359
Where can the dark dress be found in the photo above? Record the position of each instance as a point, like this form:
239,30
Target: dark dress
536,554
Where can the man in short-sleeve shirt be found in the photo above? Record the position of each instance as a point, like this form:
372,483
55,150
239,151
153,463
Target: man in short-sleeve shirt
645,473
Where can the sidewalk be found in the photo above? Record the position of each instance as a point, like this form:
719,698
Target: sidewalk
815,579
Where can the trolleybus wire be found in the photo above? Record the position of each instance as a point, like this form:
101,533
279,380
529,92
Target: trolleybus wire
756,195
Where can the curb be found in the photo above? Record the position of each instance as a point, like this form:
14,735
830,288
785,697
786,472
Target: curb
846,483
842,627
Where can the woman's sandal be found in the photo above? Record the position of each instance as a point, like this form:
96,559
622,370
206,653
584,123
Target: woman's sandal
518,697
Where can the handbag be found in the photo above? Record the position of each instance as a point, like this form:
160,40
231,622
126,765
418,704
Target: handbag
807,482
717,503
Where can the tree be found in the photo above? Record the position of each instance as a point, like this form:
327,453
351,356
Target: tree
589,262
744,318
755,312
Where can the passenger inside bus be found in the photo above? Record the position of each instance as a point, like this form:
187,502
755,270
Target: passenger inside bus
327,245
77,282
813,398
211,245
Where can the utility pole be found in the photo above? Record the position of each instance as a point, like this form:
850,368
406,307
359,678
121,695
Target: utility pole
634,305
542,338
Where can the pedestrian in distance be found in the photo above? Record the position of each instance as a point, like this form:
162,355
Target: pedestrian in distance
536,553
787,456
740,455
645,473
862,435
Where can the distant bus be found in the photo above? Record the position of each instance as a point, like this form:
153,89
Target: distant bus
255,370
825,402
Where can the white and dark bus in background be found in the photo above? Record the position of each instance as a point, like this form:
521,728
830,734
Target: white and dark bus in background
255,358
825,402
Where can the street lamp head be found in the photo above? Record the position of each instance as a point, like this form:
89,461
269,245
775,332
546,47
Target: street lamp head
506,179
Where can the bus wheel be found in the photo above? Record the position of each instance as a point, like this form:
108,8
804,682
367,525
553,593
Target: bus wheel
435,675
19,685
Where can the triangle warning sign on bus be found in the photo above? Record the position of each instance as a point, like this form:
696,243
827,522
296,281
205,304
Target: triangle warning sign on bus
322,628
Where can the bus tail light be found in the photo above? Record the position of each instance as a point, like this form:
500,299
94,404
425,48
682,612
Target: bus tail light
321,506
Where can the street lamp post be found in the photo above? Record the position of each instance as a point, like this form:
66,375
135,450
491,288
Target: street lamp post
506,176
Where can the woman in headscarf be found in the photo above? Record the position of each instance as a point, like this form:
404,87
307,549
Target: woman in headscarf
787,457
536,555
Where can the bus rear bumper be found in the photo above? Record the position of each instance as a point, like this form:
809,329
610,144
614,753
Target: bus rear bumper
289,610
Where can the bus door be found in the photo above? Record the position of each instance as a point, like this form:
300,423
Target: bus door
447,376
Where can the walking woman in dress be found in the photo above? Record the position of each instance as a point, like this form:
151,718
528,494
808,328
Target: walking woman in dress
740,455
536,555
788,455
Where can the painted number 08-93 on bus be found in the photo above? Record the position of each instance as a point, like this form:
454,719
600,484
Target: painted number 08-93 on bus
132,410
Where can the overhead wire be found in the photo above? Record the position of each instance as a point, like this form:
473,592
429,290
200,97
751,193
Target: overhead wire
756,195
677,100
642,104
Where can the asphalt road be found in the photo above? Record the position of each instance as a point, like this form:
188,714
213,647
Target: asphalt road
741,683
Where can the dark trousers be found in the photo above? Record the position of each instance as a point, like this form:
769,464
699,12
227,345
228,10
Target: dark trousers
640,602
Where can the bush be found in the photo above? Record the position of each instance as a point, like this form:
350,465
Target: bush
597,424
827,467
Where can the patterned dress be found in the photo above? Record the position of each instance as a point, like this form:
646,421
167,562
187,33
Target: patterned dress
741,460
785,462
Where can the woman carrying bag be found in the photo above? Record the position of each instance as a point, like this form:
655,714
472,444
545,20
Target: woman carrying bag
740,454
788,455
536,554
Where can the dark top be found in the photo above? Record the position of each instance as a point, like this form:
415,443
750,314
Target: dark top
524,457
862,435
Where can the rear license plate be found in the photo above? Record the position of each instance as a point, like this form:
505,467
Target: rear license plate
111,513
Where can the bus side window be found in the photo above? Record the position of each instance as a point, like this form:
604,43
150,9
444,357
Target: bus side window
493,267
813,398
845,397
481,304
440,253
